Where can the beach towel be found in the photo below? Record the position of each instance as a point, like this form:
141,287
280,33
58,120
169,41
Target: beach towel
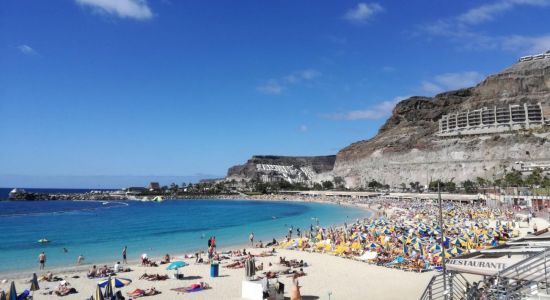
195,287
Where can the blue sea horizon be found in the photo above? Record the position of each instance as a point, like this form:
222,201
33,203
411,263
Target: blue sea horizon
99,230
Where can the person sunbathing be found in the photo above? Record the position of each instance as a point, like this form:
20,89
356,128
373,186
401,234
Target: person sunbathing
235,265
158,277
272,243
195,287
166,259
270,275
64,289
92,272
136,293
299,273
260,267
151,292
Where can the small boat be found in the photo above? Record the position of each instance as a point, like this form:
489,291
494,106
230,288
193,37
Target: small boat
43,241
158,199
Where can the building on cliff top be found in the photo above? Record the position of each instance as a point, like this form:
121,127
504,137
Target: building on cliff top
493,120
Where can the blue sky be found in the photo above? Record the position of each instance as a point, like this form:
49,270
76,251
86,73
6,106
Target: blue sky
172,88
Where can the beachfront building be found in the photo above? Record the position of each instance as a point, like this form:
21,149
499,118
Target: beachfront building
494,120
154,187
136,191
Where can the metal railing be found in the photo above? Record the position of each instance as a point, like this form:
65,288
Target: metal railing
450,287
525,278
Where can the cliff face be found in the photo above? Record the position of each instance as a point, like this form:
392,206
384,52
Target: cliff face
407,148
291,168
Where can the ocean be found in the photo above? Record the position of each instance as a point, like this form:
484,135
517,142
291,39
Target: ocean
99,230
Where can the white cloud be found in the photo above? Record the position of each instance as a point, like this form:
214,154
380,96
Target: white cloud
378,111
26,49
431,88
461,29
134,9
277,86
488,12
272,87
451,81
526,44
363,12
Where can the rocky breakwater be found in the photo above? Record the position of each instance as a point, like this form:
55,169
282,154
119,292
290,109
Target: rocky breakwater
407,147
293,169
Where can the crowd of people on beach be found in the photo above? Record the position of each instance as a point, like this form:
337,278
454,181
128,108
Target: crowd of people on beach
407,235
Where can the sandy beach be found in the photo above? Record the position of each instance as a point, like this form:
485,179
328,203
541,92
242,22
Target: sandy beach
343,278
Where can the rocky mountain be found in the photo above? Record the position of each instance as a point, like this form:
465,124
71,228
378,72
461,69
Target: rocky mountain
293,169
411,146
503,123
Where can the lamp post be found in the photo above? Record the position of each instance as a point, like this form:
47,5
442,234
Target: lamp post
442,241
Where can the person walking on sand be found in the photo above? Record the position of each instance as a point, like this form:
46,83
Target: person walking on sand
80,259
295,291
251,238
124,261
42,260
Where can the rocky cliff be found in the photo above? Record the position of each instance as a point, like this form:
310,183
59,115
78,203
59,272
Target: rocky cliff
290,168
407,147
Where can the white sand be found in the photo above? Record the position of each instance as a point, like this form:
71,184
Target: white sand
344,278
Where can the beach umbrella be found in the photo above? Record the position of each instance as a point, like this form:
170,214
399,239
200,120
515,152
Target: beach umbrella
455,251
372,245
12,294
34,283
176,265
447,254
414,240
115,282
2,295
484,237
98,294
446,242
417,245
108,289
459,242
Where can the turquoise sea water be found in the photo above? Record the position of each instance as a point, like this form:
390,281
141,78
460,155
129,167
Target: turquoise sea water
99,230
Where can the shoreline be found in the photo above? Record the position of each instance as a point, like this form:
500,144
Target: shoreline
65,270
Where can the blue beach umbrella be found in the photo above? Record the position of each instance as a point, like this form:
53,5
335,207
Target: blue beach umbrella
436,248
372,246
115,282
455,251
12,295
176,265
98,294
109,289
459,242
